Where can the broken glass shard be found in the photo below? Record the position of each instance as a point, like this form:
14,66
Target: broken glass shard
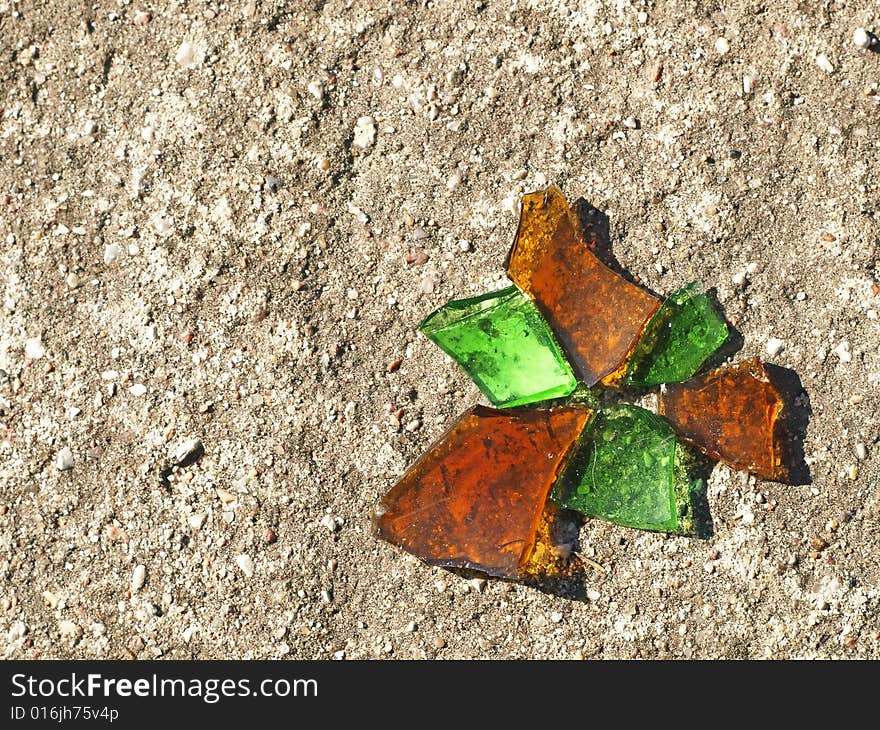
731,414
625,471
503,343
596,315
682,335
476,499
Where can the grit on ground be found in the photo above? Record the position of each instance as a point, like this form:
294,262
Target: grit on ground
221,224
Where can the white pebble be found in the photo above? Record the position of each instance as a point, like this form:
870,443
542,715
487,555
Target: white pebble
365,132
33,349
747,84
842,352
556,617
246,565
17,631
185,449
73,280
163,226
862,38
722,46
316,89
64,459
823,63
861,451
739,278
186,55
138,578
138,389
454,181
464,246
69,629
775,346
330,523
111,253
359,215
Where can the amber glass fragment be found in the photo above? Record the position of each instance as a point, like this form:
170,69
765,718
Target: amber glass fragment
476,498
731,414
596,315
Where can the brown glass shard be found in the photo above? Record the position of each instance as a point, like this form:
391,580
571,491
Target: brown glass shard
476,499
596,314
731,414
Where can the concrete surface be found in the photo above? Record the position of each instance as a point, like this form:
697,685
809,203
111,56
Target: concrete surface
223,222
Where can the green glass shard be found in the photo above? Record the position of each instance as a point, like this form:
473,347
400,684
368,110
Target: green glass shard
503,343
682,335
625,471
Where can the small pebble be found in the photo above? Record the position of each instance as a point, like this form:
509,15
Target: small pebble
316,89
272,183
556,617
464,246
439,642
774,346
185,55
842,352
138,578
722,46
33,348
64,459
17,631
823,63
245,564
188,452
365,132
138,389
861,451
862,38
73,280
269,536
330,523
111,253
69,630
853,471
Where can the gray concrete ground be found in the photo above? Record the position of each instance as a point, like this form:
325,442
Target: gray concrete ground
224,221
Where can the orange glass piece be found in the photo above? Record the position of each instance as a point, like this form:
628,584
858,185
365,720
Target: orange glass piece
476,499
731,414
596,314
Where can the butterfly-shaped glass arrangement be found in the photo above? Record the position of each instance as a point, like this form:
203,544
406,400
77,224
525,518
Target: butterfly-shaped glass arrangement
486,494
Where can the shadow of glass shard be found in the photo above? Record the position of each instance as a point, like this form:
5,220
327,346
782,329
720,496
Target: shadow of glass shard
684,333
476,499
626,471
503,343
595,314
731,414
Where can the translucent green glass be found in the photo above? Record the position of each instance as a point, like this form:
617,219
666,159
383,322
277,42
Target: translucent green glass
682,335
625,471
503,343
